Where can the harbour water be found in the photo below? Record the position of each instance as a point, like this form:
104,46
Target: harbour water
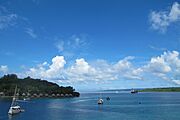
121,106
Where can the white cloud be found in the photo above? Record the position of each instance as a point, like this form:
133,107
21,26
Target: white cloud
82,71
101,70
174,14
4,69
31,32
124,69
57,65
176,81
162,19
46,71
81,67
158,65
123,65
164,67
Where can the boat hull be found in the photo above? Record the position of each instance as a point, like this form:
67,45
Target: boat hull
100,101
14,110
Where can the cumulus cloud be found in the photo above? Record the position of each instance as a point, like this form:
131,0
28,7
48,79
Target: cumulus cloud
164,67
4,69
58,63
81,67
124,69
160,20
101,71
158,65
46,71
82,71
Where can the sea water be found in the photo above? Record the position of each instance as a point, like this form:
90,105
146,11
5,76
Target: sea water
121,106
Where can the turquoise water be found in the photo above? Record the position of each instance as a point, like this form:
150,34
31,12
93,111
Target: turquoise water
122,106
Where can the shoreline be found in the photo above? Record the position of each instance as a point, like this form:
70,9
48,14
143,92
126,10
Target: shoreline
21,97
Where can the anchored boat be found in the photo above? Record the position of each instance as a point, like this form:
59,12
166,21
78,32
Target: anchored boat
15,108
100,101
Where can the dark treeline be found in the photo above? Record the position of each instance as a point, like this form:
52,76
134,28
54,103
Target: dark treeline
32,86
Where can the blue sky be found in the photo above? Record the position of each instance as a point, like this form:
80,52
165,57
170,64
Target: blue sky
92,44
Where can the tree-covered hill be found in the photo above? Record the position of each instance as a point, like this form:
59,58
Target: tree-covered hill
32,86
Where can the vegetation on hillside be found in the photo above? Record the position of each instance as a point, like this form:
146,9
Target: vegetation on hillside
32,86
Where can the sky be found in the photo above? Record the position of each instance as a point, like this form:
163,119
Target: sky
90,44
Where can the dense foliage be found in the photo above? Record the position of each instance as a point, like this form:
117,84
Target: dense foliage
30,85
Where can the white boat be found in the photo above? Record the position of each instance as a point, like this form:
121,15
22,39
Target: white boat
14,109
100,101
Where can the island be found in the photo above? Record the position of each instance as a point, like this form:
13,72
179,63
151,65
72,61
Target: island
161,89
165,89
29,87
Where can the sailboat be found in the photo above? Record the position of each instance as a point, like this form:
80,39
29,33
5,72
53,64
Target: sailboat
14,109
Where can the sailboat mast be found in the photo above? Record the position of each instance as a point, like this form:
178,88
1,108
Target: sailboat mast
14,97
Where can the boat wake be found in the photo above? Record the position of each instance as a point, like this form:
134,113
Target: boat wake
78,101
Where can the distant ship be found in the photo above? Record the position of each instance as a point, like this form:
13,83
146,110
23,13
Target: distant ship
134,91
14,109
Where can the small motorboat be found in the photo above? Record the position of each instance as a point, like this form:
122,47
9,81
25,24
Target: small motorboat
108,98
100,101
